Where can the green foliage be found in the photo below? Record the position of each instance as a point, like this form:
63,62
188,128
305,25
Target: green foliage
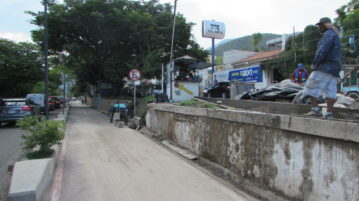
348,20
195,103
299,49
105,39
256,38
218,60
41,136
142,108
245,43
53,85
20,68
189,103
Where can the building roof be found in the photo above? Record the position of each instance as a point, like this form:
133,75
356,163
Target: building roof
260,57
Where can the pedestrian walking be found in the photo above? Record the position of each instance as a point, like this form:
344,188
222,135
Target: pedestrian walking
326,68
300,75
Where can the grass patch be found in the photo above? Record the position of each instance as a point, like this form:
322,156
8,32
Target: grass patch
195,103
189,103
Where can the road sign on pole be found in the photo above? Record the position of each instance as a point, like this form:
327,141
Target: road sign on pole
135,76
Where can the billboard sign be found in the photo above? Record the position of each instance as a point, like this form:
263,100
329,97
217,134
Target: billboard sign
213,29
250,74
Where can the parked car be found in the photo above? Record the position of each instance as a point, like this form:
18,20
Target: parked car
51,103
352,91
37,99
57,101
13,109
220,90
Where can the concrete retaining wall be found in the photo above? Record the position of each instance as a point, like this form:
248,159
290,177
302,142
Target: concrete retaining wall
297,158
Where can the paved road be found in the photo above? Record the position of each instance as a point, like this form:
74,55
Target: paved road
10,150
102,162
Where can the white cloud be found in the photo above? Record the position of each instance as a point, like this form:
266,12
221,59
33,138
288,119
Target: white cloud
16,36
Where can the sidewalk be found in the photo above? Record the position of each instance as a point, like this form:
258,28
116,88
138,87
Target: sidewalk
101,162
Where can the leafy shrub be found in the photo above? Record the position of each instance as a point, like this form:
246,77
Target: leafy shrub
40,136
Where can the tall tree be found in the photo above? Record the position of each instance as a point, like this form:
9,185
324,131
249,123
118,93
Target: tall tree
256,39
105,39
20,68
348,20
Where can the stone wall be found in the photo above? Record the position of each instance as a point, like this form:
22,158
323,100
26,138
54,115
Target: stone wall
297,158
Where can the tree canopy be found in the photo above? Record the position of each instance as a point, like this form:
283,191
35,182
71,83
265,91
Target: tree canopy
105,39
20,68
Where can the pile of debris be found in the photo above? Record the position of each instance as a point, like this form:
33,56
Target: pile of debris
134,123
290,92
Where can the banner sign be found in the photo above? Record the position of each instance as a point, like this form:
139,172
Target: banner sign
250,74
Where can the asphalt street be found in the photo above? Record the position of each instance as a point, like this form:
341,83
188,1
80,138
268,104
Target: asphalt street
102,162
10,151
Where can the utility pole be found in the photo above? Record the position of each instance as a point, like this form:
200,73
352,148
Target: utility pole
64,99
171,55
46,63
294,46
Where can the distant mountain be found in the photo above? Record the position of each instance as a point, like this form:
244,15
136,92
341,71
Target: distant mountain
243,43
222,42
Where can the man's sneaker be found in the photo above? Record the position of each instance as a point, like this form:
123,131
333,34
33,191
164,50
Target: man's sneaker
329,116
314,113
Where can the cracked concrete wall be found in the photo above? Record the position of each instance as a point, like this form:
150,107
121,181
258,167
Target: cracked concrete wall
295,165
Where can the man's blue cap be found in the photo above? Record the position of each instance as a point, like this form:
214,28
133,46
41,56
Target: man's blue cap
324,20
300,66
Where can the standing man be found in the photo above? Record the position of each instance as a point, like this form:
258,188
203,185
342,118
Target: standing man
326,68
300,75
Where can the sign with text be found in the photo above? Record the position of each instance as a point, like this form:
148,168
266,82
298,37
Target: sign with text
134,75
213,29
250,74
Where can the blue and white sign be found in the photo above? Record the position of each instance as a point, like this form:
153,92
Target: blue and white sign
213,29
250,74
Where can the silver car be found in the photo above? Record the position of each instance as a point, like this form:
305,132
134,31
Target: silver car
14,109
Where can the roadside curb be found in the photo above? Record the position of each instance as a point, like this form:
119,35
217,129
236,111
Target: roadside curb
30,178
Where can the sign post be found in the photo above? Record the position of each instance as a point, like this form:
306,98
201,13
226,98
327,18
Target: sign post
135,76
214,30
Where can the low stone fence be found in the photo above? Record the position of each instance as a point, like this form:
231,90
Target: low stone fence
295,157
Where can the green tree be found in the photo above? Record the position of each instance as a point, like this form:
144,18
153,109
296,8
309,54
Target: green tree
106,39
256,39
348,20
20,68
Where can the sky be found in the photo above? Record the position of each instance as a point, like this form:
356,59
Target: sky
241,17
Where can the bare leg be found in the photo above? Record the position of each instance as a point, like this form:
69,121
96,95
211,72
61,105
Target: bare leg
330,103
314,101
